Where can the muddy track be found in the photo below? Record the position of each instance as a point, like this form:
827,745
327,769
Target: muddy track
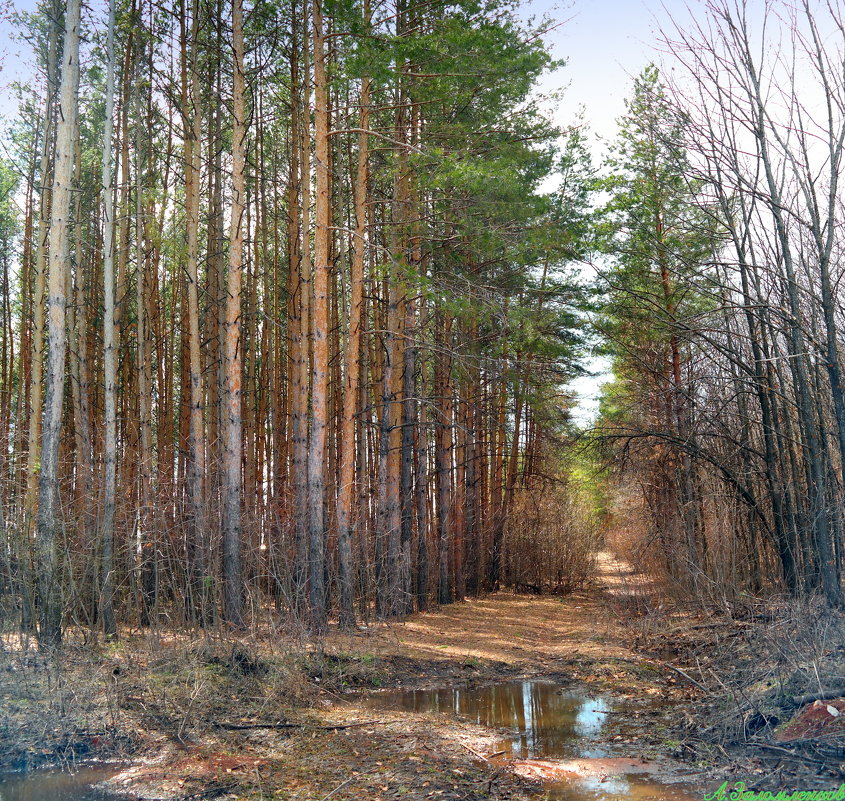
209,740
578,641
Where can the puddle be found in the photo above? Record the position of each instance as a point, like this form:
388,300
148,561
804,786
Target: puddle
55,785
559,736
547,721
619,788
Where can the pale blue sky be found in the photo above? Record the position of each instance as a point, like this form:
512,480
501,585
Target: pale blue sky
605,43
15,58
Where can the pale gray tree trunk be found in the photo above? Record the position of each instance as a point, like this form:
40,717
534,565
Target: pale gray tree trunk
232,589
109,363
49,527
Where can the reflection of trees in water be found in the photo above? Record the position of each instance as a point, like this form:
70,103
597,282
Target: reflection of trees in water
546,721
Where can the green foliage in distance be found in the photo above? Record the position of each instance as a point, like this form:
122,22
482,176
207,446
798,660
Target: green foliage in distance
657,238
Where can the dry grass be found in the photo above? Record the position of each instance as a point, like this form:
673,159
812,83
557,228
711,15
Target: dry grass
128,697
759,666
113,700
162,693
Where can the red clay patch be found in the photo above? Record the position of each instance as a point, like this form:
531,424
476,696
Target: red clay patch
198,768
813,720
216,764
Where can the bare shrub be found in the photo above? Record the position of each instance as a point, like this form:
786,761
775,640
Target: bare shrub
551,538
716,563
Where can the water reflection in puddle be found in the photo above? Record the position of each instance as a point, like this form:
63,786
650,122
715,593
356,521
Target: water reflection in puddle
54,785
547,720
548,723
619,788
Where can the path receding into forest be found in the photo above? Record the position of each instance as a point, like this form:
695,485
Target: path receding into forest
397,711
355,743
581,642
534,634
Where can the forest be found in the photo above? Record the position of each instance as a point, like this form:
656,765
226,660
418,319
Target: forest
293,294
286,319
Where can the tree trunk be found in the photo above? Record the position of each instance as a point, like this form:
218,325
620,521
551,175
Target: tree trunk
38,300
406,477
192,135
346,486
302,328
149,555
107,617
49,523
232,587
443,461
319,333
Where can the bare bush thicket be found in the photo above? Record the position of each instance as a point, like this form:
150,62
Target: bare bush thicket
551,539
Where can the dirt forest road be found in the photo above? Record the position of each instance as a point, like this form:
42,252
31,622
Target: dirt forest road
347,749
534,634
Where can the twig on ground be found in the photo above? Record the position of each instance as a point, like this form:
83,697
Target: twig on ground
685,675
793,754
474,752
211,792
347,781
285,725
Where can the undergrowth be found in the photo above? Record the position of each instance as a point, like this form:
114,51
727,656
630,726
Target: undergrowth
110,700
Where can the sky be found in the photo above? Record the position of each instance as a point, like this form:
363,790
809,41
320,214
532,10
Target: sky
15,57
605,43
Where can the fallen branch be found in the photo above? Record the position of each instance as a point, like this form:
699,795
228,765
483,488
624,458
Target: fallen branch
474,752
212,792
825,695
347,781
819,737
645,661
793,754
285,725
718,624
685,675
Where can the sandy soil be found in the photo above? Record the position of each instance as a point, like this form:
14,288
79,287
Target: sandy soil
533,633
